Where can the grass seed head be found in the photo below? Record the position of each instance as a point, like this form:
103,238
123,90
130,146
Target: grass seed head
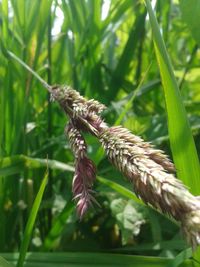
148,169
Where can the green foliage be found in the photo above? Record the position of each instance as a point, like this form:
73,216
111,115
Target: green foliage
30,223
128,217
186,162
4,263
190,11
88,259
112,60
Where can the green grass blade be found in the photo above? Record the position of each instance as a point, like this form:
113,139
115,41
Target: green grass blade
181,257
123,67
5,33
93,259
156,246
58,226
4,263
181,140
31,222
120,189
129,103
191,11
17,164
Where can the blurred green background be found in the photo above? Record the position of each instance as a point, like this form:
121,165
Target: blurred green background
104,49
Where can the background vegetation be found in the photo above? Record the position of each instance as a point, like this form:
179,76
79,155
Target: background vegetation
105,50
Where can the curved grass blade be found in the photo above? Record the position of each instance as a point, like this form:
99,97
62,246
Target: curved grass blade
120,189
4,263
181,257
155,246
31,222
17,164
181,139
79,259
58,226
135,93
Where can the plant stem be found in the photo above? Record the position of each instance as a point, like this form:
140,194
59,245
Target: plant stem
43,82
68,110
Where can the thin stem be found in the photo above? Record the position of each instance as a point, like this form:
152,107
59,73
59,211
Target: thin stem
49,88
43,82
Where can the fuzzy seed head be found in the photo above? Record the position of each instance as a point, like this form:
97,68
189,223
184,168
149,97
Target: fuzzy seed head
85,171
146,169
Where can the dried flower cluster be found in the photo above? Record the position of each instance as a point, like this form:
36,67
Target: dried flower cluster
148,169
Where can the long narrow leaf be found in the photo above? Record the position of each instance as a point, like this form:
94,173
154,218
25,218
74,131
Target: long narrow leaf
94,259
181,140
130,101
4,263
120,189
17,164
31,222
58,226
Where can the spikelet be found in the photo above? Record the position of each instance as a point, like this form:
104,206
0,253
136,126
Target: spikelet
85,171
68,97
146,169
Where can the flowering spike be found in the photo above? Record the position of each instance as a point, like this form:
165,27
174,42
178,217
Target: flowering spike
69,97
136,160
85,171
83,180
149,169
